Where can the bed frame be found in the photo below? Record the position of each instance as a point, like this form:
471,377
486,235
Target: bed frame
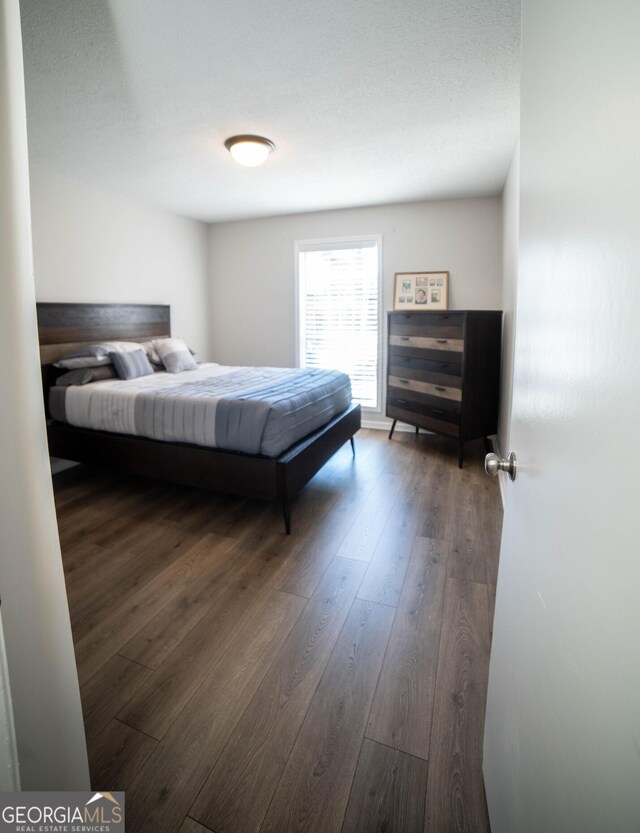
63,327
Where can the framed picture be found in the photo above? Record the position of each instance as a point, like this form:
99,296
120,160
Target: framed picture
421,290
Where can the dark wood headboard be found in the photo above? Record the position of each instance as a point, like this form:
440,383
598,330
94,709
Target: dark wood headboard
63,327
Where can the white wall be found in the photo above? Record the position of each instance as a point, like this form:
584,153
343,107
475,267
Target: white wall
510,236
96,246
253,269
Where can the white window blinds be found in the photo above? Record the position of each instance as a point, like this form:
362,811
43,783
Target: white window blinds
339,311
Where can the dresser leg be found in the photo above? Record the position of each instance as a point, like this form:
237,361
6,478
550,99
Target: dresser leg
417,430
393,428
353,446
460,454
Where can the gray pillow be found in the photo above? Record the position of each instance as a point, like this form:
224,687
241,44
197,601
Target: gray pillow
93,355
132,364
175,355
84,375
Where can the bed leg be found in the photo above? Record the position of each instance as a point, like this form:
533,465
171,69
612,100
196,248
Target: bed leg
286,514
353,446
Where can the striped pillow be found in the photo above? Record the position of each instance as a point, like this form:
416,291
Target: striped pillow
132,364
94,355
175,355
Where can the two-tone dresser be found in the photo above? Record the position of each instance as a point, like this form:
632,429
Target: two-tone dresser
443,372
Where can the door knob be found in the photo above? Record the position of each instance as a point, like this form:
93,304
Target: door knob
493,464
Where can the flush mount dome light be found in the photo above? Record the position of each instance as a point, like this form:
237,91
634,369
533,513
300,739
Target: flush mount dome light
249,150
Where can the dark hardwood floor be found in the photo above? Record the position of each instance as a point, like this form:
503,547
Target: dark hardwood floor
236,680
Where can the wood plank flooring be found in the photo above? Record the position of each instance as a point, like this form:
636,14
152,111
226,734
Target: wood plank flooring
235,680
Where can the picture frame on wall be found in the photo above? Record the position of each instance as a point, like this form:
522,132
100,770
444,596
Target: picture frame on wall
421,290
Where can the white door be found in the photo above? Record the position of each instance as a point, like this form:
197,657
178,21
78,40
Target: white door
562,732
44,706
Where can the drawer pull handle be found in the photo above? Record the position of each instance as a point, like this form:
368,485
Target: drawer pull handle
441,341
405,338
402,401
437,410
406,382
437,387
443,364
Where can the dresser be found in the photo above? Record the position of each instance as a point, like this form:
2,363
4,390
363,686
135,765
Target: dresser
443,372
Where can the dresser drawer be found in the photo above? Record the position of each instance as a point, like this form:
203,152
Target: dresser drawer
439,391
453,345
423,420
437,360
423,403
439,373
438,325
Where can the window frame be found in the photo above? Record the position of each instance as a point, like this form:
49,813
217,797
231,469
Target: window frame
350,242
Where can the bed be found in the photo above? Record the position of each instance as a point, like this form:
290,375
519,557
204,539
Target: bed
277,475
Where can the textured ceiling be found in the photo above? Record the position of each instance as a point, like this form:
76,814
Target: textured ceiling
368,101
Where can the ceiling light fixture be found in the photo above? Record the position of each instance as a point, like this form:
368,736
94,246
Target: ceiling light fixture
249,150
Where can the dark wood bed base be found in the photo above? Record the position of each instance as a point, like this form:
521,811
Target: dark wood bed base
62,327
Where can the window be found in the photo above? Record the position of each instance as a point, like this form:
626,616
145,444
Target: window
338,310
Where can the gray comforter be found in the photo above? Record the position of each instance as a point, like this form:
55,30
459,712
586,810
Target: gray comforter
252,410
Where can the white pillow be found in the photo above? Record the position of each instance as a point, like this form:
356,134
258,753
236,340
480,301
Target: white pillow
174,354
152,353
